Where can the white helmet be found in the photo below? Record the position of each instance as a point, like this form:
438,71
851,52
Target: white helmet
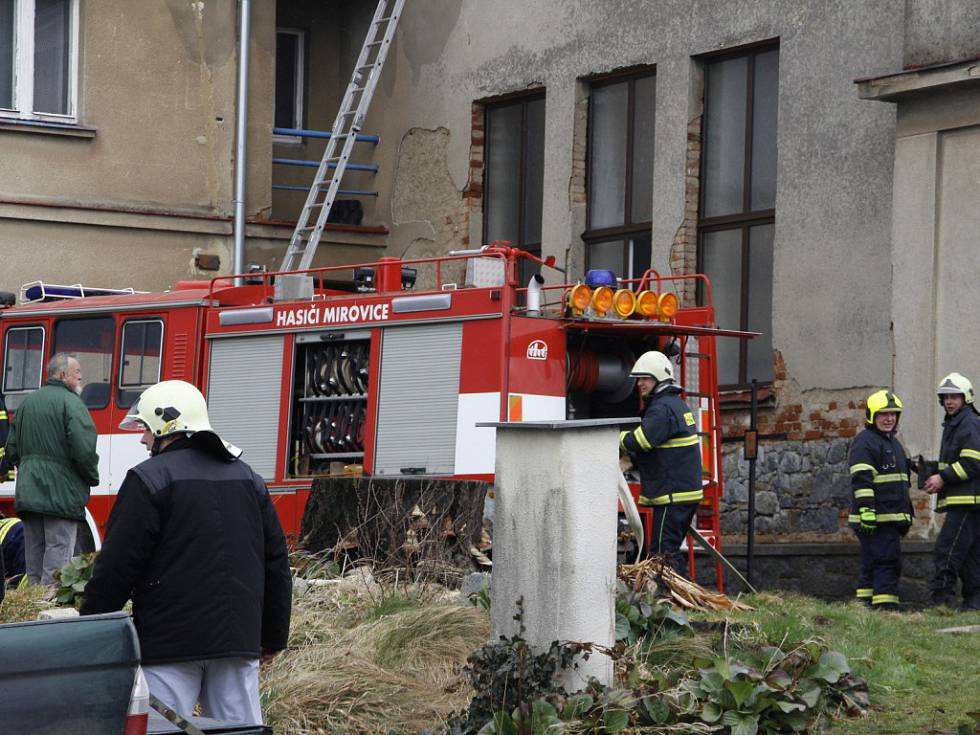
654,365
954,384
172,407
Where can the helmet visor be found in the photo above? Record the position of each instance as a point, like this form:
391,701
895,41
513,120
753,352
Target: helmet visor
132,422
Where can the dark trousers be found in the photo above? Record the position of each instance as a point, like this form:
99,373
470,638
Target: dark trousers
670,524
881,564
957,555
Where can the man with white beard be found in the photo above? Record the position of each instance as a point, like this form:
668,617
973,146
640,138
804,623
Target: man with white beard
52,443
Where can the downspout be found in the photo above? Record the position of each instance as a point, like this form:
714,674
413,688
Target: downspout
241,134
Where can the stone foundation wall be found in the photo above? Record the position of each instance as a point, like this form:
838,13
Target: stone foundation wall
800,488
825,570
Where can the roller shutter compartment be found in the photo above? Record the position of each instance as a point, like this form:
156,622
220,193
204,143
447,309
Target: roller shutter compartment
419,399
244,388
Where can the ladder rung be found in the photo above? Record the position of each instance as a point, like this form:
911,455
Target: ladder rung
366,66
372,167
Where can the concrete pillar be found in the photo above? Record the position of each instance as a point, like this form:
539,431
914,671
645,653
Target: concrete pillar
554,536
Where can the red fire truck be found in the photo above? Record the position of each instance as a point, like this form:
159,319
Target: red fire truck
381,368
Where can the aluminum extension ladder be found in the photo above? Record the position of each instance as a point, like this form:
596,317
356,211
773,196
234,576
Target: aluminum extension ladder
347,125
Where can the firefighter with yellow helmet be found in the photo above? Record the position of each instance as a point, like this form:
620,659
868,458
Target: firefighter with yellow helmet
881,511
666,450
957,487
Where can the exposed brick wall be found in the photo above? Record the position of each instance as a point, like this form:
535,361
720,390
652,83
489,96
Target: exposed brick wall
684,249
802,480
473,192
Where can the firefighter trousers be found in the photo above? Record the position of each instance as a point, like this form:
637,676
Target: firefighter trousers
881,565
670,524
957,555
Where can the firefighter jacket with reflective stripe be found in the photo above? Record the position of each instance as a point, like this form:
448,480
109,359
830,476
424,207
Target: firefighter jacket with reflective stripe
880,478
959,460
667,451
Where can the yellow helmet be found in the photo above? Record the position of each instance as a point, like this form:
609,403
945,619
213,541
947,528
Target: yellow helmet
884,401
954,384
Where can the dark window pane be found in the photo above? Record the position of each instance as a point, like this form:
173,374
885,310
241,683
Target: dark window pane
503,173
607,155
722,263
760,302
140,362
287,55
90,341
765,96
22,364
644,112
7,53
724,144
607,255
534,172
639,255
51,55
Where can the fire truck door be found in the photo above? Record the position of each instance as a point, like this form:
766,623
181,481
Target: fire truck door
418,400
244,389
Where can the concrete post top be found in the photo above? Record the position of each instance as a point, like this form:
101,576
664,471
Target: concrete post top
562,425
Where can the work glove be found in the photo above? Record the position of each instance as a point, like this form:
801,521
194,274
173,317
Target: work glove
869,520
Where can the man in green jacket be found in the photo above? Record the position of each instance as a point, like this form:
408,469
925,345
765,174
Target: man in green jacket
52,443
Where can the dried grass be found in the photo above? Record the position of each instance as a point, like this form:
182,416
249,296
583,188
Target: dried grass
23,604
365,660
657,576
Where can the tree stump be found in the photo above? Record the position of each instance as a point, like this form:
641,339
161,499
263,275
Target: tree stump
419,526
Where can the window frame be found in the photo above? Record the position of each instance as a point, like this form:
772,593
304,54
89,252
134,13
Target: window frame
747,218
23,66
523,99
6,355
628,229
120,388
299,90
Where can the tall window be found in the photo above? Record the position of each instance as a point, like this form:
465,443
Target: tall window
738,200
290,68
38,58
514,174
620,174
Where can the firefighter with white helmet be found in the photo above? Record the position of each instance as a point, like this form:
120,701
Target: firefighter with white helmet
881,511
194,541
666,450
957,487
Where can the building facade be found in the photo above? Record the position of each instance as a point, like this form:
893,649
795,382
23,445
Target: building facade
727,138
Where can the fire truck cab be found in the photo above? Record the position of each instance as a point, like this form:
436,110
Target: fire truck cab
360,369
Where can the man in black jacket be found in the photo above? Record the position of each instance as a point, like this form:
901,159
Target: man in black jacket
667,451
881,512
194,541
957,485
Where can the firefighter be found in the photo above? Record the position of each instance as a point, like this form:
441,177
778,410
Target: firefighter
666,450
957,485
12,550
881,511
194,541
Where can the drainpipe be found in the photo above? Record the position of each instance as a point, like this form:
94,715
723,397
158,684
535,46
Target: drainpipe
241,134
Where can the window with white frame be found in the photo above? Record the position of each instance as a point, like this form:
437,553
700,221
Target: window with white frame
39,59
290,50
